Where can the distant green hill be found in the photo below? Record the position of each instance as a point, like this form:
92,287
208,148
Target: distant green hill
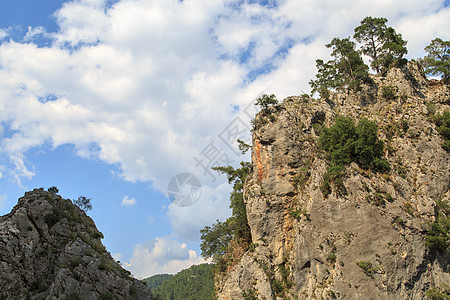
156,280
195,283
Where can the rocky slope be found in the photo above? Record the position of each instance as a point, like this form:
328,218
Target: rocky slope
367,243
50,249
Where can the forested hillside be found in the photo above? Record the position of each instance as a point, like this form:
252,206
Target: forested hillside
194,283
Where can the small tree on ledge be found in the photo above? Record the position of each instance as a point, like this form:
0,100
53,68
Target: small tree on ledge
83,203
437,61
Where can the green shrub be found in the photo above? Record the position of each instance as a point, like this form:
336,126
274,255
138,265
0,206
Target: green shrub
265,101
252,247
277,286
132,291
53,190
96,235
106,296
438,237
331,258
333,176
378,199
435,294
73,296
51,219
388,93
250,294
345,143
367,266
301,178
431,108
443,126
298,213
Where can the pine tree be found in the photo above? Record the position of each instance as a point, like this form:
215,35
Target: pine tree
437,60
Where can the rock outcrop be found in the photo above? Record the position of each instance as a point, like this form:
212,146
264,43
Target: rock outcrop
366,243
50,249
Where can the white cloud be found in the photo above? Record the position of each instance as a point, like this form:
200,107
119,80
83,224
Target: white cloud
151,220
35,31
188,221
128,201
146,85
161,255
3,33
420,30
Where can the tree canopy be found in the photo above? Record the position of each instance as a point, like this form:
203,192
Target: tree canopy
370,34
83,203
265,101
217,237
437,60
346,70
382,44
194,283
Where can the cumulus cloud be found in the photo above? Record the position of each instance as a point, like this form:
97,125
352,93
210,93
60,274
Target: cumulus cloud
128,201
161,255
3,33
147,85
188,221
34,32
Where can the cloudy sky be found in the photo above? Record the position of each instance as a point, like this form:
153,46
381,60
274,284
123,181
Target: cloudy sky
114,99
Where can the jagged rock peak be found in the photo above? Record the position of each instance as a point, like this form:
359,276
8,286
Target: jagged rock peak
50,249
365,240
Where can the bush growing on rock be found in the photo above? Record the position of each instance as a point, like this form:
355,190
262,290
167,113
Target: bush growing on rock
345,143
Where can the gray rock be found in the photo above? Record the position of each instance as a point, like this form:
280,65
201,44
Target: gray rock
315,254
50,249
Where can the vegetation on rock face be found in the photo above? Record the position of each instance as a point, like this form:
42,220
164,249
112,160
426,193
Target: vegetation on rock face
367,266
345,143
83,203
346,70
443,126
382,44
442,293
438,237
265,101
53,189
437,60
194,283
64,257
217,238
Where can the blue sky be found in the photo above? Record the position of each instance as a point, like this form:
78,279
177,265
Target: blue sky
112,99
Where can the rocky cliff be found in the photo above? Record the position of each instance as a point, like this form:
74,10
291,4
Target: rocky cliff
366,243
50,249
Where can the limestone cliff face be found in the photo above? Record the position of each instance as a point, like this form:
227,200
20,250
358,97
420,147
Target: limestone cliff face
50,249
367,243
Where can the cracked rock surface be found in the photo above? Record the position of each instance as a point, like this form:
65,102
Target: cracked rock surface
50,249
367,242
